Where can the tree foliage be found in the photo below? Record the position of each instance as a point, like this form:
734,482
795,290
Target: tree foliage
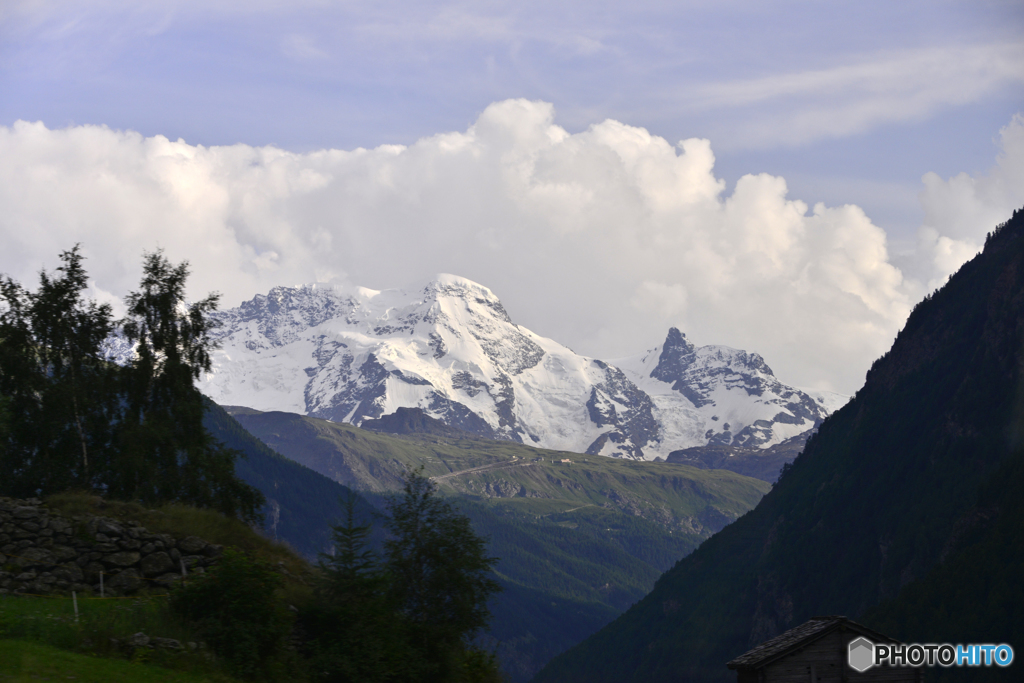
58,389
234,609
352,573
169,452
410,615
76,420
441,574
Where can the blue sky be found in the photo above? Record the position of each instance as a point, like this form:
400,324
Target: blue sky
848,102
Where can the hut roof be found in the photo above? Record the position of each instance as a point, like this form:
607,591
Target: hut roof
797,637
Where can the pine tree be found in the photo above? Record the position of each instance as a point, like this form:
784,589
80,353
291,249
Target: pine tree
412,616
352,572
355,635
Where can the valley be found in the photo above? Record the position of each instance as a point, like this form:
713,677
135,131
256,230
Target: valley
903,510
579,538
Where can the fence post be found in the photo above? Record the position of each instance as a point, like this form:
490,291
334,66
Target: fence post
74,599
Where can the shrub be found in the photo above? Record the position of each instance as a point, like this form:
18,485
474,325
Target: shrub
234,610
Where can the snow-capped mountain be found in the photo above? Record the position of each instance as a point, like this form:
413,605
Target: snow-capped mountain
451,349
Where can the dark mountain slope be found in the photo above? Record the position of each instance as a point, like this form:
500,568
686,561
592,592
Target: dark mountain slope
413,421
975,595
760,463
886,485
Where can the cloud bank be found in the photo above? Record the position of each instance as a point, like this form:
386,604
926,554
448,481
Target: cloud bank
600,239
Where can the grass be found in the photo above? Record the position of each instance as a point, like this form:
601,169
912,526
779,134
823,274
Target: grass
25,661
51,623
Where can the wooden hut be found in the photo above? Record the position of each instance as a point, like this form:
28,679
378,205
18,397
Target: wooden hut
817,651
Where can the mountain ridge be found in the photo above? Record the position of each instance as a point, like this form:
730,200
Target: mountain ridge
451,349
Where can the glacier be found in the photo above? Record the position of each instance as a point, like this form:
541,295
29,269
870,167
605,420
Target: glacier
449,348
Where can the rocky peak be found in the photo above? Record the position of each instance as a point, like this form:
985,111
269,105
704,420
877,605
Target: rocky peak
676,353
446,286
413,421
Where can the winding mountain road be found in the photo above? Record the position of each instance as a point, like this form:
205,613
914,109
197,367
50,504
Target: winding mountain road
483,468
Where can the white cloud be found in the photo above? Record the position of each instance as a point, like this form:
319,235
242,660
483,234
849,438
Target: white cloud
960,211
600,239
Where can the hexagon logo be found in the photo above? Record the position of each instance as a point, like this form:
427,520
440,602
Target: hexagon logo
861,655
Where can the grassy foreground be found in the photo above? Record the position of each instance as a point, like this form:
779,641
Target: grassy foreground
43,638
22,660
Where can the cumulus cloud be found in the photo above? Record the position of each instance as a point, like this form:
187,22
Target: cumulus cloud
601,239
961,210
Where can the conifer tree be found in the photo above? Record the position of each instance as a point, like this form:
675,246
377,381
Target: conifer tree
412,614
354,634
352,572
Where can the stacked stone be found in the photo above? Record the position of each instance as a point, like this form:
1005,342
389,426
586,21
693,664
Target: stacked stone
42,553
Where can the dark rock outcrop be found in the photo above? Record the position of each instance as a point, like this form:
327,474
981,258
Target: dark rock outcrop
762,463
412,421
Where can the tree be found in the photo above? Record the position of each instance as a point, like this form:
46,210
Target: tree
355,635
440,573
166,452
352,572
56,382
77,420
412,616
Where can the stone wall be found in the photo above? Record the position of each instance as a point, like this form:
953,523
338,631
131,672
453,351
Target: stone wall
43,552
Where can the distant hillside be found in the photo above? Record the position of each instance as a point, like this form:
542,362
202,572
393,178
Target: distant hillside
910,492
682,499
301,504
761,463
578,541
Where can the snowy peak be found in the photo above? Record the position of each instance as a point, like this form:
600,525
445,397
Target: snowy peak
451,349
722,395
678,357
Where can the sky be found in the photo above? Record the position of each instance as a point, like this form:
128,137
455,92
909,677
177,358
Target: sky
789,178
